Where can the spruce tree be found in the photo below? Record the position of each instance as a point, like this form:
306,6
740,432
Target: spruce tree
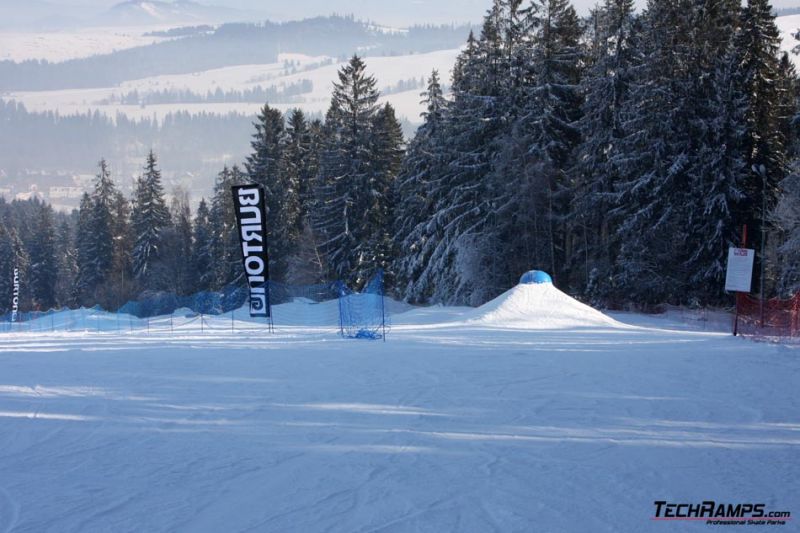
343,190
176,262
265,166
546,127
43,272
13,258
376,247
605,87
226,252
149,219
300,167
460,228
417,191
202,249
66,263
654,162
717,180
123,288
758,45
95,237
7,265
85,277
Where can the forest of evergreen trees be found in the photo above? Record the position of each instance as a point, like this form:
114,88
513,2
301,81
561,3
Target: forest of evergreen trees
622,153
277,95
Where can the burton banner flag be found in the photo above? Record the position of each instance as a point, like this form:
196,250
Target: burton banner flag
251,217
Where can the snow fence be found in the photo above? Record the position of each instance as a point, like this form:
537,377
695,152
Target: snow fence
318,308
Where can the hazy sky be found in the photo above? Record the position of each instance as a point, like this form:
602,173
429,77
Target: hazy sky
384,11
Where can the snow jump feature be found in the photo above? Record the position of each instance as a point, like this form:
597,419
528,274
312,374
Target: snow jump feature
537,304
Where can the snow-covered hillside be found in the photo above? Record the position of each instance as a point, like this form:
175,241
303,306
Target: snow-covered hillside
55,46
451,425
387,70
789,25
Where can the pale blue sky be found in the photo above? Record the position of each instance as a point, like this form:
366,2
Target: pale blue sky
397,12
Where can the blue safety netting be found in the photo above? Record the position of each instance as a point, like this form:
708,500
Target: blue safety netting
317,308
363,314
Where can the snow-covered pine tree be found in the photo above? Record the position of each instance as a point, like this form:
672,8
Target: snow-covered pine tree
13,255
149,219
459,234
7,265
654,161
718,167
226,252
376,247
758,43
43,272
417,190
265,167
300,166
85,280
346,169
123,287
202,249
605,88
786,216
540,142
176,260
66,261
95,236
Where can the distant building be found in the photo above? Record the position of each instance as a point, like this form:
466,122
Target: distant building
83,181
33,193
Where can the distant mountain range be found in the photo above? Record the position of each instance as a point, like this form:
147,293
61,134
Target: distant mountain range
47,14
69,14
229,45
157,12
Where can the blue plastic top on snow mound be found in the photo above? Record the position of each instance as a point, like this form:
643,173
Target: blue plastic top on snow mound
535,277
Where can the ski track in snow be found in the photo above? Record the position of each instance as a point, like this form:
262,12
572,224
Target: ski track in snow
561,421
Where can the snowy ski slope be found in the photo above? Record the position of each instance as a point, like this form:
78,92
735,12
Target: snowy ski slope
463,421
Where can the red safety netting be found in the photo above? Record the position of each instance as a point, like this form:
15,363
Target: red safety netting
775,317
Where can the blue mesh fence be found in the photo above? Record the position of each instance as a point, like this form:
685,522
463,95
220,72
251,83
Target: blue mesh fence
326,307
363,314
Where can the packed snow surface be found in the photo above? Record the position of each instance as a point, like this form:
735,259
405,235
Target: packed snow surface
456,423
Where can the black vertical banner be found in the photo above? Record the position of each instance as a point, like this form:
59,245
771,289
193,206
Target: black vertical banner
251,217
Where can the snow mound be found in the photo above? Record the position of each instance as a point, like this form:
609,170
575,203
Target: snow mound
540,306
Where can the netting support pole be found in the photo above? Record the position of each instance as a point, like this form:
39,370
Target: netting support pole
269,307
231,320
736,294
340,290
201,322
171,327
383,310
